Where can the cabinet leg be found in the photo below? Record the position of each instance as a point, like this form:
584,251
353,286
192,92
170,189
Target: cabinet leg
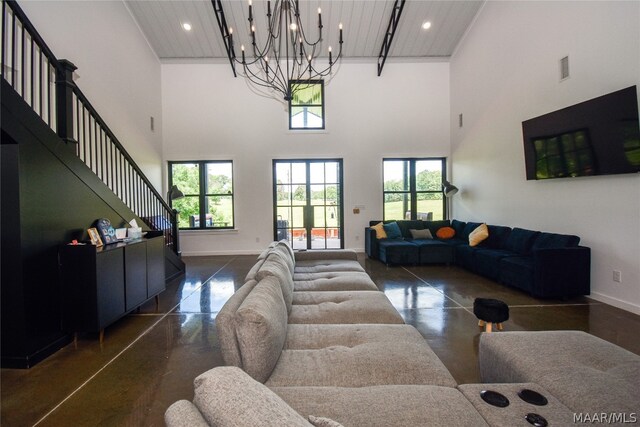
157,302
75,340
101,336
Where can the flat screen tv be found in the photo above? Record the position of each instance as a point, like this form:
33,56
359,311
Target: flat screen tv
600,136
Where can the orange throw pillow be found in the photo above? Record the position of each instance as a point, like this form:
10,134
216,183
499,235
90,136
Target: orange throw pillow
445,233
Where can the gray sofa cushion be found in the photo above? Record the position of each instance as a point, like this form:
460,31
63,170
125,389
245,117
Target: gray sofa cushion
343,307
184,414
251,275
346,281
286,254
227,397
342,254
261,328
316,337
372,362
226,325
275,266
384,406
323,422
327,265
585,389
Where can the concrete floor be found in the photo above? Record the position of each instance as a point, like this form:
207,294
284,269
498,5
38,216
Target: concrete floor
149,359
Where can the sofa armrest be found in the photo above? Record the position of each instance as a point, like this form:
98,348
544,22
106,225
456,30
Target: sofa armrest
562,272
371,243
184,414
326,254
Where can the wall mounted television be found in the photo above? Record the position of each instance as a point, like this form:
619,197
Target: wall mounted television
600,136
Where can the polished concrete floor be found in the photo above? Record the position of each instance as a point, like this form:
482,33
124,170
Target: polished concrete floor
149,359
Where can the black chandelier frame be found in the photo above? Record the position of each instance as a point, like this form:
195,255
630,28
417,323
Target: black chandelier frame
288,55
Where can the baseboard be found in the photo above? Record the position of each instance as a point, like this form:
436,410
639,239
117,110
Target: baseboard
624,305
28,361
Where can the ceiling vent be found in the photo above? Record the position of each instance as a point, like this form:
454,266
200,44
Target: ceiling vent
564,68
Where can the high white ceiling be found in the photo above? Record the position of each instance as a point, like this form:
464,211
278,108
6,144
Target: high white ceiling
364,22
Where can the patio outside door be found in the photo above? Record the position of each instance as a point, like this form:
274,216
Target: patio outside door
308,206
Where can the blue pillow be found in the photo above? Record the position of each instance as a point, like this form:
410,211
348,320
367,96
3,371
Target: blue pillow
393,230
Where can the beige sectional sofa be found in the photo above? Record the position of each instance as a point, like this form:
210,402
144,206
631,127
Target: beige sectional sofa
309,345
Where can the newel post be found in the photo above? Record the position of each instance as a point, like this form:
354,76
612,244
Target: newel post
64,100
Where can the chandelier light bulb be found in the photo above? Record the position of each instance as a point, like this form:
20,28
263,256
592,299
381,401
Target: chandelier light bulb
329,49
340,26
293,26
319,11
186,26
426,25
230,30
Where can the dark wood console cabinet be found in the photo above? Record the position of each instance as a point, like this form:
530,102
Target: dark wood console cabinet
102,284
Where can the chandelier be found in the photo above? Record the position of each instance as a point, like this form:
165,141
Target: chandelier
288,55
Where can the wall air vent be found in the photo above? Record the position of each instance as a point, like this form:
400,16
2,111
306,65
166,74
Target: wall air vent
564,68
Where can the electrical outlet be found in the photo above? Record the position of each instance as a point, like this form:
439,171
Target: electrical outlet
617,276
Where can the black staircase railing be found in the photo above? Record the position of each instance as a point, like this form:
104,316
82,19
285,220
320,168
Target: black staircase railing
46,85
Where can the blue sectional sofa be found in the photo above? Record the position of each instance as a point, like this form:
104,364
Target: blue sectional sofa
546,265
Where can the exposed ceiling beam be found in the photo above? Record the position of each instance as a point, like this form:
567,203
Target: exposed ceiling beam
224,31
391,31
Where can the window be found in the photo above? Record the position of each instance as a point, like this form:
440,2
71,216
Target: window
306,108
413,188
208,194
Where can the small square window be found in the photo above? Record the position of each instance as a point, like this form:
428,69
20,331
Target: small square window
306,108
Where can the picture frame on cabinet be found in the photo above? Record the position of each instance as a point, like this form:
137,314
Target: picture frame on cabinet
94,236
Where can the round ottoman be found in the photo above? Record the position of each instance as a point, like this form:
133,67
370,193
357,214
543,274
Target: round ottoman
490,311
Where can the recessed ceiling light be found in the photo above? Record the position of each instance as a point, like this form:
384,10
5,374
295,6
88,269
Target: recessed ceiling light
186,26
426,25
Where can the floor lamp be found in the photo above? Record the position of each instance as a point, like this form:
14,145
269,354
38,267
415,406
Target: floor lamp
449,190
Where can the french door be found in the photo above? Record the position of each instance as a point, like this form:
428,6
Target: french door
307,203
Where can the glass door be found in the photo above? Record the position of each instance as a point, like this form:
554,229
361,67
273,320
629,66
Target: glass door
308,206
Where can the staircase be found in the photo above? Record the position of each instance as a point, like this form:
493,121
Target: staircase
62,168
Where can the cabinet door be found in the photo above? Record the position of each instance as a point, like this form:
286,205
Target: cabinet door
155,266
135,267
109,287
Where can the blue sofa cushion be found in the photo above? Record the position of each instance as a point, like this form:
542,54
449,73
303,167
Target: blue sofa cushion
517,272
552,240
398,251
458,226
433,251
520,241
407,225
498,235
487,261
465,256
393,230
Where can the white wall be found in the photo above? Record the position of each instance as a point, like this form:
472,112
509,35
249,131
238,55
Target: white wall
119,72
210,115
506,71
